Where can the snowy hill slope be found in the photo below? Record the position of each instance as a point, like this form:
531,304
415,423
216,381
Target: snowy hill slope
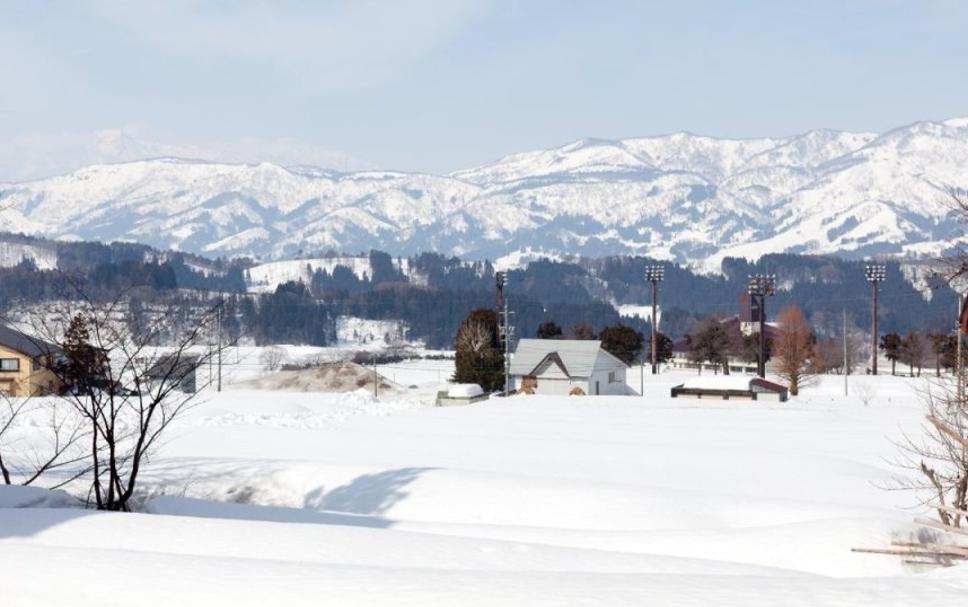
683,197
265,277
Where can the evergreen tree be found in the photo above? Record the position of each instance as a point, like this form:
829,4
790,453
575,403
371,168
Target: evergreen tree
891,346
625,343
664,351
549,330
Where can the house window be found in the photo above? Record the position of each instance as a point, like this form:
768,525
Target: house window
9,364
611,377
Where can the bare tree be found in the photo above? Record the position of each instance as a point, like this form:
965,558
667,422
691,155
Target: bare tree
582,331
54,442
831,357
939,459
127,388
478,358
913,350
272,358
712,342
954,266
937,341
473,337
795,349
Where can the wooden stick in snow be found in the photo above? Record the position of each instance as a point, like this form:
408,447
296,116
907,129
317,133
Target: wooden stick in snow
910,552
926,522
933,548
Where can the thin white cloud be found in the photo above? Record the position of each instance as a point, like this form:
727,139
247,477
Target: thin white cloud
39,155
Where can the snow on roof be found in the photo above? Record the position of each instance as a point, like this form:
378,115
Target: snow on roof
732,382
578,355
25,344
718,382
464,391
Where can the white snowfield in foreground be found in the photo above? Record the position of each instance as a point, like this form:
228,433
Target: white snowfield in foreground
525,501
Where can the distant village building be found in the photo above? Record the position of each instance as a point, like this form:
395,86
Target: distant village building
748,323
182,368
566,366
25,363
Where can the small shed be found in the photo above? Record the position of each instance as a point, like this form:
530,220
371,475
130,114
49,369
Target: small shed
460,394
180,369
731,387
566,366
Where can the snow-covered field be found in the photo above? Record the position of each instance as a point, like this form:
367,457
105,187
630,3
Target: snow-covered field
307,499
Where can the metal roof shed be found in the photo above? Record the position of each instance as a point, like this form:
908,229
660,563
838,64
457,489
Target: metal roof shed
731,387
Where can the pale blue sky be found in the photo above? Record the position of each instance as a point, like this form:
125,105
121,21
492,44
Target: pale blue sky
439,85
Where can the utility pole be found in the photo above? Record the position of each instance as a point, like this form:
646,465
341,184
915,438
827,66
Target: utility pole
219,353
960,337
762,286
875,273
376,379
654,274
846,366
506,330
641,375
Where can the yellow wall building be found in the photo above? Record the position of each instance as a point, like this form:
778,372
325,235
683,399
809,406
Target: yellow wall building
23,364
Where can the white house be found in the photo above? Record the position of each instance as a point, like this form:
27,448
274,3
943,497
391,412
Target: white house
558,366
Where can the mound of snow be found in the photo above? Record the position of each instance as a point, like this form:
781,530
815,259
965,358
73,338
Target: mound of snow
465,391
322,410
15,496
340,376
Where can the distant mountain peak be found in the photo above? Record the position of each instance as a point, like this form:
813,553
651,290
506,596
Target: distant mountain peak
684,197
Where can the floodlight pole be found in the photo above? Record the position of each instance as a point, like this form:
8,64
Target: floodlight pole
760,286
875,274
654,274
762,361
874,331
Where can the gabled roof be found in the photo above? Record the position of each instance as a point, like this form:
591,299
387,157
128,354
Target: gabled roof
578,356
553,358
25,344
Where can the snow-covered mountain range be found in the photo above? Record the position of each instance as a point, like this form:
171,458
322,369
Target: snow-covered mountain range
682,197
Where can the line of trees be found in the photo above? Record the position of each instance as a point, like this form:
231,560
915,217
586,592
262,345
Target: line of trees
718,342
916,350
797,357
620,340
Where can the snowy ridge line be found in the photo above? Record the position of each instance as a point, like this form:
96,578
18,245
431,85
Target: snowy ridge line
682,197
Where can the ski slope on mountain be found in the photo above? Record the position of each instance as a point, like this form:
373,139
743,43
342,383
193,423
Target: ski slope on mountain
682,197
278,497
